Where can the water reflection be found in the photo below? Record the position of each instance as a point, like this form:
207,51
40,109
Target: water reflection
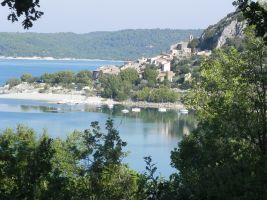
148,132
170,123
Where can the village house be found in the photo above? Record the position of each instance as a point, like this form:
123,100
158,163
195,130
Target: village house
164,65
153,60
162,61
133,65
166,76
204,53
109,69
180,50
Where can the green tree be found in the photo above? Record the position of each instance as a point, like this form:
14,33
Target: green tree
256,14
87,165
64,77
107,177
193,44
151,75
148,183
143,94
25,163
27,78
225,157
163,94
83,78
47,78
114,87
13,82
129,75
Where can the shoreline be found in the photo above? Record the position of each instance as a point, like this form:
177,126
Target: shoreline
55,59
70,99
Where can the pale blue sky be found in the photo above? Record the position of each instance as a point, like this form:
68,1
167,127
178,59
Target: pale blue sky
83,16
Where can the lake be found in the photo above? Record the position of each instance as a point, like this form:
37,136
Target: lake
148,133
14,68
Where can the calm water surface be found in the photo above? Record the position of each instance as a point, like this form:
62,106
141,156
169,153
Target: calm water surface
15,68
147,133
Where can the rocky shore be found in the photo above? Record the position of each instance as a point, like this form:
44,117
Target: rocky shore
61,95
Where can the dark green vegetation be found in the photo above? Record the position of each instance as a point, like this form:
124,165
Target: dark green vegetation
226,156
62,78
13,82
256,14
186,70
158,95
120,45
126,85
87,165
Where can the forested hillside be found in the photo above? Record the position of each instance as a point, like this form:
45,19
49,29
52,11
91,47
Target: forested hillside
124,45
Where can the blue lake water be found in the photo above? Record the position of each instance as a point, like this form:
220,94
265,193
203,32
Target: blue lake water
15,68
147,133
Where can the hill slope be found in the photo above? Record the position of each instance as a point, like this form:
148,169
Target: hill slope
229,29
124,45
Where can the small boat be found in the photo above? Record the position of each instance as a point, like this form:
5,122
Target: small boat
99,106
125,111
183,111
54,110
162,110
110,106
136,109
62,102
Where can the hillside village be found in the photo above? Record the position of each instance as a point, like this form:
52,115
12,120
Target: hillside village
162,62
161,78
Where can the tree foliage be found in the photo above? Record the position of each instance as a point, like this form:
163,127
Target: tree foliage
116,45
87,165
27,78
151,75
256,14
225,157
25,163
129,75
157,95
26,8
114,87
83,78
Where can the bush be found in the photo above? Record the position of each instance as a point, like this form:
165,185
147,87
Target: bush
83,78
13,82
162,94
27,78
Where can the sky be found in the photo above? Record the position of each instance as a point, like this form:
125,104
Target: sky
83,16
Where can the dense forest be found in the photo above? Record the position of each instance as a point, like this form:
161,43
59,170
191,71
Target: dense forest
122,45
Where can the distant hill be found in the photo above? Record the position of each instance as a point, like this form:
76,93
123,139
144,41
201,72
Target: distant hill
123,45
228,31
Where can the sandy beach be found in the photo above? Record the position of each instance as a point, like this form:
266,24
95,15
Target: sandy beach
61,95
57,98
81,99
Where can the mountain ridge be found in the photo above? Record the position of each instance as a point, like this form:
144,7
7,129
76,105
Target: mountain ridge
126,44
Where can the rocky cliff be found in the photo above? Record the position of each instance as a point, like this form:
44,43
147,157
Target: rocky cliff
229,28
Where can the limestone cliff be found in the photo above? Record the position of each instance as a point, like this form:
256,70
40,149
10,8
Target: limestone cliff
216,36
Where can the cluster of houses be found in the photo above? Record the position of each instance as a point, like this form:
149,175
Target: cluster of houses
162,62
